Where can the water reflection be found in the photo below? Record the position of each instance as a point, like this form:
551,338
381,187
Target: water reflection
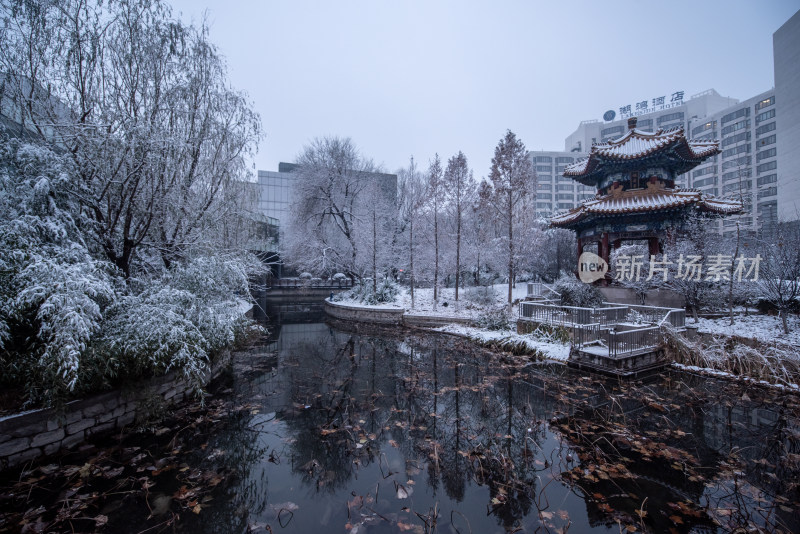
380,433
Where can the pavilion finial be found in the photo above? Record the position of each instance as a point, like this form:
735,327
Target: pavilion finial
632,123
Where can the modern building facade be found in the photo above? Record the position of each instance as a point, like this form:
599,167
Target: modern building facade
786,55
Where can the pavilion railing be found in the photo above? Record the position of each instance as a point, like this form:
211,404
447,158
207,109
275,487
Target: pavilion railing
585,333
572,315
632,341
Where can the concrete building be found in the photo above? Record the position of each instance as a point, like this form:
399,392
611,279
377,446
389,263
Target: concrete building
786,55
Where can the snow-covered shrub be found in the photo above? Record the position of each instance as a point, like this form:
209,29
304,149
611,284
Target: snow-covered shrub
385,291
305,276
339,276
181,320
576,293
496,319
52,291
483,295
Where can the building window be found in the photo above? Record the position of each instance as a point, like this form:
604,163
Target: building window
710,125
764,154
738,138
706,181
744,112
544,178
565,205
742,161
736,186
768,192
735,150
765,103
769,166
765,128
606,132
544,168
740,173
545,196
564,187
564,196
741,125
543,159
644,123
768,179
544,206
770,139
707,170
544,187
761,117
670,117
563,159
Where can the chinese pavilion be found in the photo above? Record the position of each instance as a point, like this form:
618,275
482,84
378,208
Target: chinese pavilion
636,199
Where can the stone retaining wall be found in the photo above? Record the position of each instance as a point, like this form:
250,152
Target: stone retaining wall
428,321
375,315
28,435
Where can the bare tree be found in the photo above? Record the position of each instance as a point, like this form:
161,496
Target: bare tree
460,191
513,179
332,214
436,198
412,197
779,270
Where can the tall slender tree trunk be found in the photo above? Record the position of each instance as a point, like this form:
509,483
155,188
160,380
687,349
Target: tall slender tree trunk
436,253
458,250
374,250
510,247
411,255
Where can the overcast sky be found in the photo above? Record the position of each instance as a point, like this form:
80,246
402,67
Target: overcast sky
406,78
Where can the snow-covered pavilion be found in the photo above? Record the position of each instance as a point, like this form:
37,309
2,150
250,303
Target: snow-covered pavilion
634,176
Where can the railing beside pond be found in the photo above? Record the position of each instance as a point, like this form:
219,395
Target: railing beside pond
585,333
309,283
572,315
632,341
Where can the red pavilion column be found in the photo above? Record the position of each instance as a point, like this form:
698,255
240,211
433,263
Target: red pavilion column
654,246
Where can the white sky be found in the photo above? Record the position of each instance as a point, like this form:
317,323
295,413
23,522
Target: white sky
406,78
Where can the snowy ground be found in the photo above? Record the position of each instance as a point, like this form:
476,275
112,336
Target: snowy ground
467,307
551,350
761,327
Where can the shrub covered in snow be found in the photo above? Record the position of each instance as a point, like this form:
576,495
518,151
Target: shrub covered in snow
495,319
385,291
576,293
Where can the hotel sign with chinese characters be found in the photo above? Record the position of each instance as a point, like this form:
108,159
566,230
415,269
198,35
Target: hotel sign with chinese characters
644,107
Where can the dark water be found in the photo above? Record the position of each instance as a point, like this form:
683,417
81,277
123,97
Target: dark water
321,429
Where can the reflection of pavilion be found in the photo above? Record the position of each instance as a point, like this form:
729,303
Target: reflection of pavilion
636,196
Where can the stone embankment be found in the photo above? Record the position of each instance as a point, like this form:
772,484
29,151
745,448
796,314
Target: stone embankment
29,435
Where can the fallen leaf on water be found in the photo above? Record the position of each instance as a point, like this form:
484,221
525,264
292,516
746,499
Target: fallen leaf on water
403,492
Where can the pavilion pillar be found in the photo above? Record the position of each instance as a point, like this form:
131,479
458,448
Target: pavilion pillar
654,246
604,249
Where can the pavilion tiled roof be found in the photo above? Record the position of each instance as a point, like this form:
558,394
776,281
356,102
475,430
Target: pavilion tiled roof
638,144
638,201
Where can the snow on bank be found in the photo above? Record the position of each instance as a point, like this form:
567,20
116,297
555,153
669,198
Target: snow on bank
466,306
730,376
551,350
763,328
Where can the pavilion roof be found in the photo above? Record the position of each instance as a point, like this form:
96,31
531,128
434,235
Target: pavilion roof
637,145
642,201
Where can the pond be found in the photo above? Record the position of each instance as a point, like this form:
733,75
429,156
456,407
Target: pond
325,428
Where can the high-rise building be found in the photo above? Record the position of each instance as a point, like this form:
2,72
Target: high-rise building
786,55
